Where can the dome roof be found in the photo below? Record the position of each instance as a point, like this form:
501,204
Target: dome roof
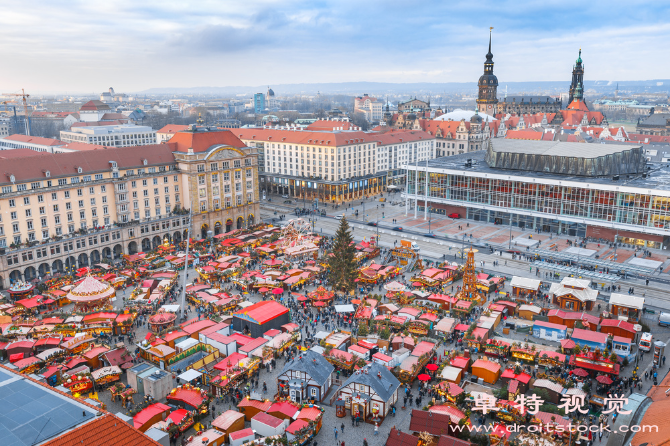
459,114
270,92
488,79
476,119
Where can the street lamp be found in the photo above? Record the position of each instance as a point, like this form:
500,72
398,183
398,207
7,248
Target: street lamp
463,246
510,231
188,239
430,218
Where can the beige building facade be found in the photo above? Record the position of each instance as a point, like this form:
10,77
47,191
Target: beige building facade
72,210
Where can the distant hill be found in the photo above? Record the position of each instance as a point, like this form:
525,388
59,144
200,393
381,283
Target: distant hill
424,88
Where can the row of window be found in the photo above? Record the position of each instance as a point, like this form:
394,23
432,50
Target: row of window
224,165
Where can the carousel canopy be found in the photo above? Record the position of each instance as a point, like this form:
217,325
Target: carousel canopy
90,290
395,286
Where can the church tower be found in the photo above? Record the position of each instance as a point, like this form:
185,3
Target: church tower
577,78
488,85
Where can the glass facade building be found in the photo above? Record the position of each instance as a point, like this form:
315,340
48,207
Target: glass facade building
630,208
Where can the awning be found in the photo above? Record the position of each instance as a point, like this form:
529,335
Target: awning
344,308
190,375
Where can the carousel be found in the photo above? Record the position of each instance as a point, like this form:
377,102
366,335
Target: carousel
321,296
161,320
397,292
21,290
90,294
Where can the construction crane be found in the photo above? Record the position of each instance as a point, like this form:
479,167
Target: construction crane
25,106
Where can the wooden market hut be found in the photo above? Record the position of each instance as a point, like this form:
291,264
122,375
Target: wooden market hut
250,407
617,327
284,410
524,287
573,294
570,319
626,305
488,371
228,422
529,312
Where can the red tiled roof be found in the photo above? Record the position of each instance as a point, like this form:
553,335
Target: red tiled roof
103,431
578,105
19,153
203,141
91,161
172,128
434,423
399,438
51,142
330,125
94,105
82,146
524,134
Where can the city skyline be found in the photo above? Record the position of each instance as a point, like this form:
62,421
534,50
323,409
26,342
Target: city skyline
133,48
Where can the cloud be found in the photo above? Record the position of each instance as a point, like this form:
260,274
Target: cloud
64,46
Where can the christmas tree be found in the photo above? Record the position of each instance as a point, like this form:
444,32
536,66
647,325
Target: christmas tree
342,263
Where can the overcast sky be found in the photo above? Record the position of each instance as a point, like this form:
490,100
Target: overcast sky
88,46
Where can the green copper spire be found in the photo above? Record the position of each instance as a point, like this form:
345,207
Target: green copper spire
579,59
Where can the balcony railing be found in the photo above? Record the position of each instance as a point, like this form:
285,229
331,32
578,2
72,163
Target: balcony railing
90,231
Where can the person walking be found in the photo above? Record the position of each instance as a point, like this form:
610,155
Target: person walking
342,427
335,430
376,428
365,442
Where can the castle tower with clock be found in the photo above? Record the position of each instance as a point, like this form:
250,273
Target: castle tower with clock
488,86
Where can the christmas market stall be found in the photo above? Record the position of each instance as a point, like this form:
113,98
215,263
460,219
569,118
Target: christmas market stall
190,398
595,362
496,348
106,375
524,352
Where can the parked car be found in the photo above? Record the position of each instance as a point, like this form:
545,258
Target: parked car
455,215
339,217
